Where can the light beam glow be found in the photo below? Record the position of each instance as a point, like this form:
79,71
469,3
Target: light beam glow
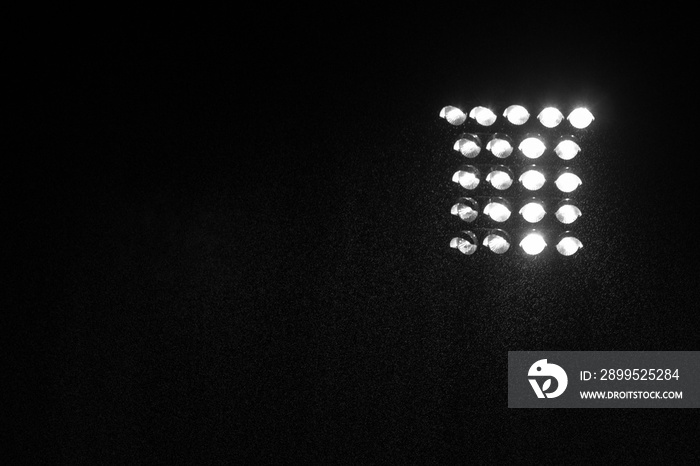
467,177
483,116
533,211
497,241
500,178
532,147
569,246
550,117
567,213
500,147
469,145
498,210
453,115
580,118
567,149
533,244
532,179
568,182
516,114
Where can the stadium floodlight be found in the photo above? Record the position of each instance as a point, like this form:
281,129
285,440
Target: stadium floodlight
568,245
532,178
497,240
532,147
533,211
550,117
467,177
453,115
567,181
482,208
516,114
465,242
567,213
580,118
466,209
469,145
533,243
483,116
500,177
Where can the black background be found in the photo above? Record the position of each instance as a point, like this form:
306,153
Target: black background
232,236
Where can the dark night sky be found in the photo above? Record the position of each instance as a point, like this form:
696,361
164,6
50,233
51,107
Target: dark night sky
233,245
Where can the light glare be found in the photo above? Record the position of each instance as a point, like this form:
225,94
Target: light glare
516,114
533,212
532,147
568,182
580,118
497,211
532,180
501,148
497,242
567,149
467,178
568,213
468,147
483,116
453,115
533,244
569,246
500,179
550,117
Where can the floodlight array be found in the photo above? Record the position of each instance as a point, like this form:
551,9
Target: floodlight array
517,179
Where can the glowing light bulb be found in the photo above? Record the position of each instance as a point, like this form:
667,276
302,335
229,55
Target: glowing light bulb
453,115
497,210
516,114
469,146
533,244
532,147
567,149
580,118
568,182
568,246
532,179
567,213
497,241
466,209
550,117
466,243
468,177
533,212
483,116
500,178
500,147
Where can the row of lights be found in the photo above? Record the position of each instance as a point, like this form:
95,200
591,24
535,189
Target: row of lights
499,210
501,146
502,178
498,242
550,117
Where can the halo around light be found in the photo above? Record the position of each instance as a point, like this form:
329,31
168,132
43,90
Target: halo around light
453,115
516,114
580,118
533,244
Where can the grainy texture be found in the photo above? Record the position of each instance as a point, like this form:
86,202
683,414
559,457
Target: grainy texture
238,250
